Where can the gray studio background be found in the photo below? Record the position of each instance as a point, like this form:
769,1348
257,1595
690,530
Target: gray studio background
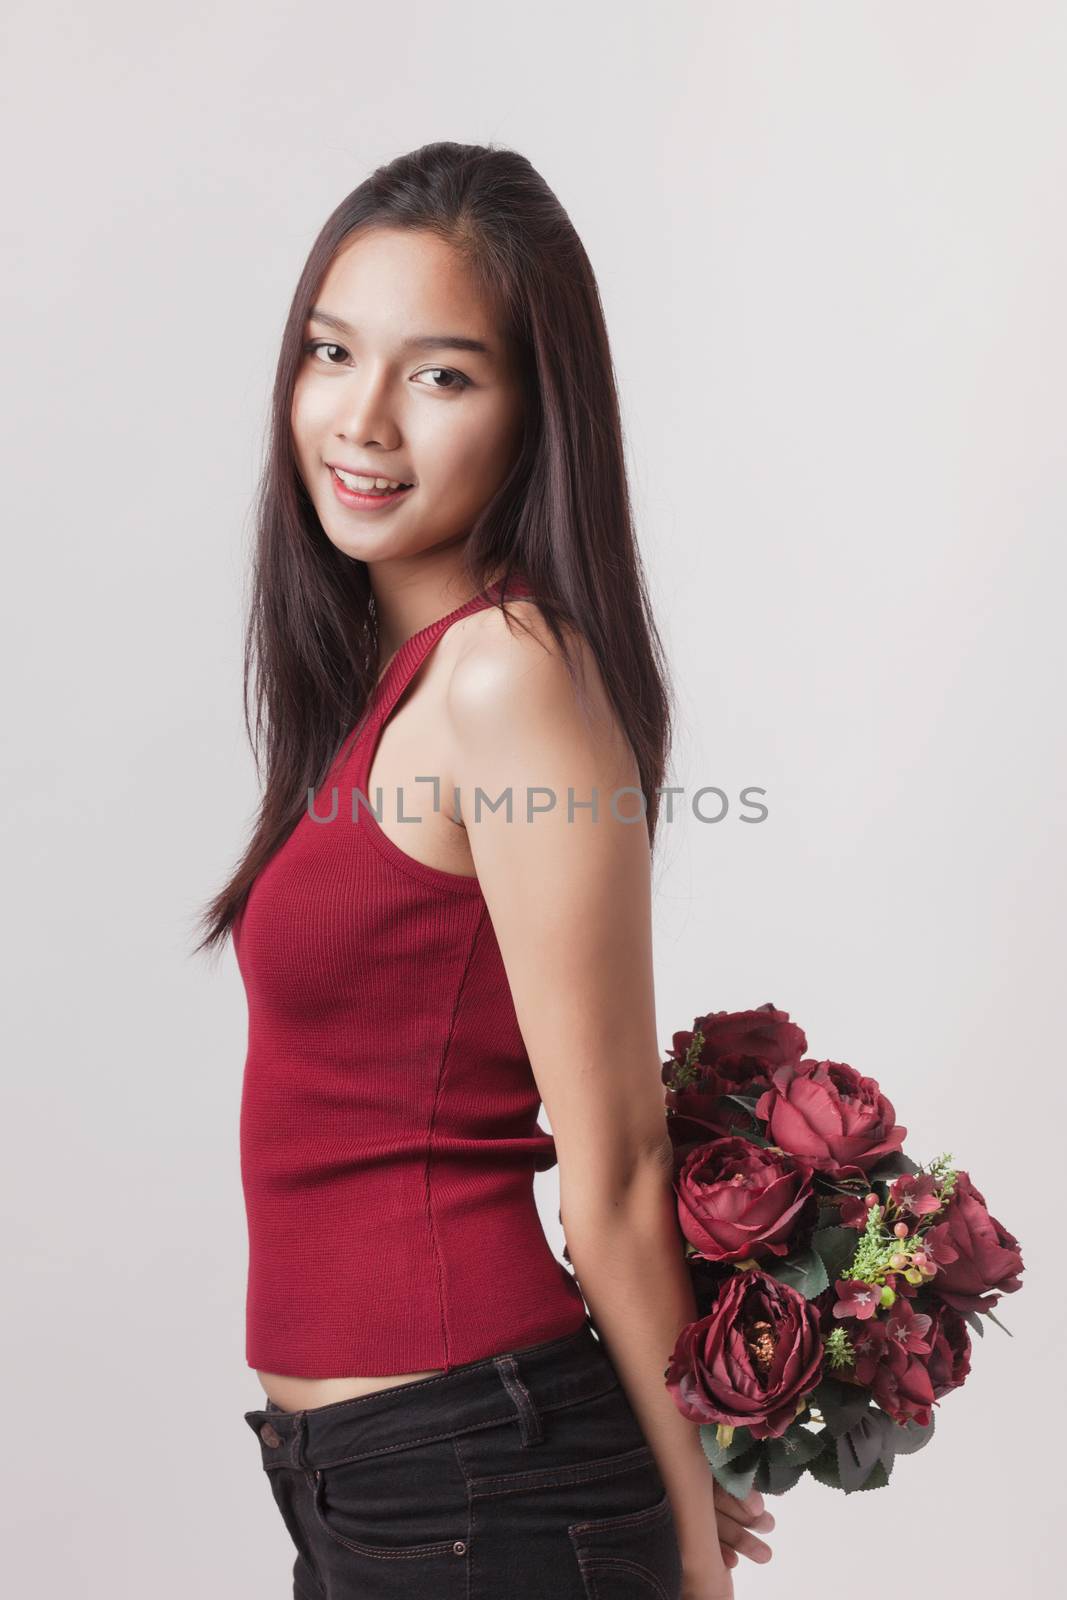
830,239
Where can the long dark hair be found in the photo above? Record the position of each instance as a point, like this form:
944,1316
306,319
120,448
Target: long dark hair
562,519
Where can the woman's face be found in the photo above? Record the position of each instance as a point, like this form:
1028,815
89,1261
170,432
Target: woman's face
372,399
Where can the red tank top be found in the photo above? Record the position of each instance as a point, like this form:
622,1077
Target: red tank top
388,1126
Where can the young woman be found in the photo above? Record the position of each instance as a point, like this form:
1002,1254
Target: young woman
449,609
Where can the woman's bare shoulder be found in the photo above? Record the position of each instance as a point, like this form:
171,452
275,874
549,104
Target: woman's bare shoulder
510,688
500,663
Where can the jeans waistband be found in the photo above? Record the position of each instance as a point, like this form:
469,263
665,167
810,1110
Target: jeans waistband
513,1387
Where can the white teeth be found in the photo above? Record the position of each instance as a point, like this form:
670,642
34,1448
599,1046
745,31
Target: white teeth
365,485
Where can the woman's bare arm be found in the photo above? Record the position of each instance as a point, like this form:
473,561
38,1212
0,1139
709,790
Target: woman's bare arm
570,902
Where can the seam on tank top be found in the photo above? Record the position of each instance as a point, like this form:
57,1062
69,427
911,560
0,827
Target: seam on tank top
442,1071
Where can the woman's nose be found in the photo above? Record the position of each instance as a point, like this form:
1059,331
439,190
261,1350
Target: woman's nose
365,414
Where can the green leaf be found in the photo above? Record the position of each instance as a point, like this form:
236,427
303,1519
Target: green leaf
802,1444
842,1405
907,1437
785,1459
828,1215
803,1272
878,1479
717,1454
737,1476
824,1469
893,1166
1000,1325
836,1247
974,1321
747,1101
865,1447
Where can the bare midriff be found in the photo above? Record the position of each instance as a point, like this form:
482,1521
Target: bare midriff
303,1394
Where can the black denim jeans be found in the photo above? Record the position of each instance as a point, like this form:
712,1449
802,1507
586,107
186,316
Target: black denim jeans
524,1475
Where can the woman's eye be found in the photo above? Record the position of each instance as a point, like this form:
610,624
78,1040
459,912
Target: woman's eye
458,380
321,344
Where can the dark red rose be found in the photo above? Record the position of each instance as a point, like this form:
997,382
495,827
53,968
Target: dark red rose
736,1200
739,1052
751,1359
828,1115
987,1261
949,1360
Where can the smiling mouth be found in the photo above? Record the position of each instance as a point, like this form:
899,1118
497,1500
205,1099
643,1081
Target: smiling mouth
366,499
352,490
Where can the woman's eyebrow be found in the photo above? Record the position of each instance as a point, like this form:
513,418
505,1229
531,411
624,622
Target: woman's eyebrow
422,341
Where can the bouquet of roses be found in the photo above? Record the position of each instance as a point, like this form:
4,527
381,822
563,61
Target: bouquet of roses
835,1280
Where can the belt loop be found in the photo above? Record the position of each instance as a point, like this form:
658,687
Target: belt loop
530,1427
296,1444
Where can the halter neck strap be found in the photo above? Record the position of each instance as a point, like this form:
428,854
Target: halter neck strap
409,656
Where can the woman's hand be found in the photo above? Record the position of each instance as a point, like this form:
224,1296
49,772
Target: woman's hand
735,1519
702,1578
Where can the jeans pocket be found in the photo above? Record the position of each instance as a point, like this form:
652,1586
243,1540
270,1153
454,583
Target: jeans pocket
630,1555
399,1522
